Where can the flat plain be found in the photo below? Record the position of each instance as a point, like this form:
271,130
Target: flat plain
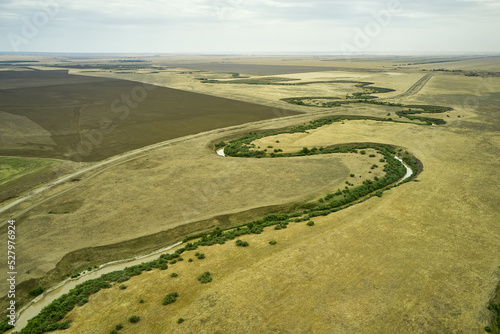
57,115
421,258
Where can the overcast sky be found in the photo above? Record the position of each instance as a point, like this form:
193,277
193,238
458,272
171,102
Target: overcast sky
246,26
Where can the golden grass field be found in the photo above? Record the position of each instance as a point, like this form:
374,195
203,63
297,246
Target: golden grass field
422,258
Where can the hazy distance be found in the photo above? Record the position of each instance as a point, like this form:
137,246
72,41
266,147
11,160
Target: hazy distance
243,26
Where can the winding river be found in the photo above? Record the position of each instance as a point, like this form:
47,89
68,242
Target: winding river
34,307
409,171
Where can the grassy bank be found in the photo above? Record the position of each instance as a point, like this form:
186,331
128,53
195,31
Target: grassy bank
50,317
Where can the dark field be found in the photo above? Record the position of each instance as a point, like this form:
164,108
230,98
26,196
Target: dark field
25,79
251,68
57,115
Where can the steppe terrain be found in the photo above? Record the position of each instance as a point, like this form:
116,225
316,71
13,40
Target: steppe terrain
423,257
83,118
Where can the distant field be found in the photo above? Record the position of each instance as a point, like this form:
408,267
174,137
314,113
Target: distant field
56,115
253,69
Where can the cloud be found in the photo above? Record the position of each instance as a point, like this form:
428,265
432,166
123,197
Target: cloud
222,24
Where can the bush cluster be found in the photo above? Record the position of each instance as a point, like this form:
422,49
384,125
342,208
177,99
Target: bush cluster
220,145
170,298
241,243
363,98
4,325
48,318
205,277
37,291
134,318
495,324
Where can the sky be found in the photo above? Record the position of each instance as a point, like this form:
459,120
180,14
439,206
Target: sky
250,26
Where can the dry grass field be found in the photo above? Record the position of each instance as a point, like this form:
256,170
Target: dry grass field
169,188
184,79
422,258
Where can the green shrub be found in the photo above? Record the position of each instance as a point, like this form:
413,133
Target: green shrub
241,243
201,256
220,144
134,318
174,261
141,301
205,277
180,321
37,291
190,260
119,326
170,298
122,287
304,150
362,152
494,327
174,275
113,331
4,325
272,242
310,223
82,301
